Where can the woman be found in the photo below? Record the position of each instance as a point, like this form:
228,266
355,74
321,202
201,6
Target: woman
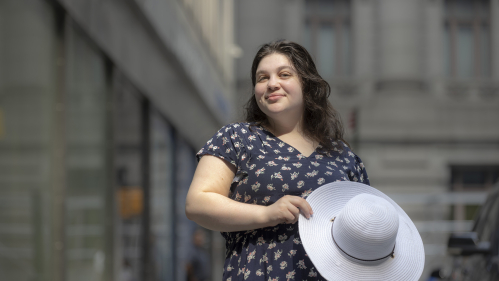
253,177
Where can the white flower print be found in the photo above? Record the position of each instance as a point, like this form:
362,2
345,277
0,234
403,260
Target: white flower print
263,151
260,157
345,168
294,175
281,144
259,273
290,149
238,196
270,187
247,198
321,181
276,176
277,254
283,265
300,184
229,279
300,156
292,253
297,241
234,136
272,245
266,144
247,274
269,138
315,163
269,269
219,134
301,264
252,138
241,271
347,161
236,125
276,151
290,275
266,199
283,238
283,158
319,157
252,166
227,150
285,187
271,163
351,154
250,147
306,193
255,186
312,174
329,173
338,159
230,268
284,168
260,172
260,241
297,164
264,259
225,140
244,131
251,256
312,273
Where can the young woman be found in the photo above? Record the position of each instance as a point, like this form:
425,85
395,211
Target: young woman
253,177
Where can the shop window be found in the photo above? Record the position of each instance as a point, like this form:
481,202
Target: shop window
88,189
471,179
327,35
467,38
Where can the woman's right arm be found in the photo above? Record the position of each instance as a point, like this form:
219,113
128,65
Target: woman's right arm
208,203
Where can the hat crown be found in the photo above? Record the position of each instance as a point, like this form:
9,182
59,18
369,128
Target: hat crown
366,228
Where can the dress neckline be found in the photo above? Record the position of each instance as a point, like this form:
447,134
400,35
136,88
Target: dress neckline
274,136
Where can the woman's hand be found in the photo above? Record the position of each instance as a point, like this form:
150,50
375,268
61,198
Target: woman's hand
287,210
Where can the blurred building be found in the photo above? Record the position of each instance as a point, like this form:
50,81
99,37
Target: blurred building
417,85
103,104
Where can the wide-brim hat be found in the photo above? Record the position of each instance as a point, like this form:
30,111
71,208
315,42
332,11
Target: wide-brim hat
358,233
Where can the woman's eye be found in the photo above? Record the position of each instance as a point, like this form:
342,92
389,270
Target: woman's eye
285,75
262,78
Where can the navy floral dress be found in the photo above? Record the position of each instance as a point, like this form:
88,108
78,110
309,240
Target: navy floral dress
268,169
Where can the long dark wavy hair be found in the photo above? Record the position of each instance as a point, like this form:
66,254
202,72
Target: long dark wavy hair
321,122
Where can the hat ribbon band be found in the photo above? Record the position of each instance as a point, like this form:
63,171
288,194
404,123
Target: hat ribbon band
392,254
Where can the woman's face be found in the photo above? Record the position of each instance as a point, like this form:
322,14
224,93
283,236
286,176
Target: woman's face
278,88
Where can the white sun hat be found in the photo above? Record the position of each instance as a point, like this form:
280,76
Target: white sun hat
359,233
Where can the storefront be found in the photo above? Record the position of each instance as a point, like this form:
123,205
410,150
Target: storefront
93,169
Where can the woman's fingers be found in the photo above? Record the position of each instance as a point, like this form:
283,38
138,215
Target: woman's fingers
302,205
287,210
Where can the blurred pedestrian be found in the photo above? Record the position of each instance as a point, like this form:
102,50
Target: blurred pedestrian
253,177
198,265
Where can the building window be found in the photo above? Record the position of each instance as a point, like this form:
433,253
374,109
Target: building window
327,36
467,38
471,179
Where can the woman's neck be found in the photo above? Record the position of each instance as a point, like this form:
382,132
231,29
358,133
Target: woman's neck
288,126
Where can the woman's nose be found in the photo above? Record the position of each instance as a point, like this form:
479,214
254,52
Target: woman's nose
273,83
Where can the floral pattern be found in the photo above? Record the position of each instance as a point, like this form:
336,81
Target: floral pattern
268,169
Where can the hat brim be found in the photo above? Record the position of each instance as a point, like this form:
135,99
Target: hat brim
332,263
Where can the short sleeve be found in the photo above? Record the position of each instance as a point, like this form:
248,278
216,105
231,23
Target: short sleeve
226,144
359,173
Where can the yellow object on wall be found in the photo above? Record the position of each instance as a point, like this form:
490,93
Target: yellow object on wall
131,200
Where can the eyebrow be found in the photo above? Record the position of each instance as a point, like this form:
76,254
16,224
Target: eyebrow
278,69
